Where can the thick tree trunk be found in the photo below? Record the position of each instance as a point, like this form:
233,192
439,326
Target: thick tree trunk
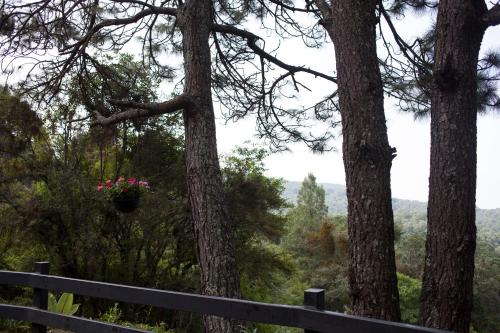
219,274
451,231
367,160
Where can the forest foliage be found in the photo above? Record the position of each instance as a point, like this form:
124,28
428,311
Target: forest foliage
50,210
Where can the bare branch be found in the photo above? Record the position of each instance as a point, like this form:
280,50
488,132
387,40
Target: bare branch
292,8
141,110
492,16
407,50
252,44
78,119
122,21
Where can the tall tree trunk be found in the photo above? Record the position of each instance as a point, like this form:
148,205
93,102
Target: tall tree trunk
219,274
367,160
451,231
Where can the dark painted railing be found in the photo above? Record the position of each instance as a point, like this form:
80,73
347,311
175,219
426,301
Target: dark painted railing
311,317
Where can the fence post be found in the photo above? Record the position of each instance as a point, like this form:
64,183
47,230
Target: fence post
40,296
314,299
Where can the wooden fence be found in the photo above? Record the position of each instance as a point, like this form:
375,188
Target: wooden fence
311,317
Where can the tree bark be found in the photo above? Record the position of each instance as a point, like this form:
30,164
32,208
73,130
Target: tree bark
367,159
451,231
215,251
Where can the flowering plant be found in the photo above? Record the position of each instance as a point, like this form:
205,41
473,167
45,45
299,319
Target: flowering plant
121,188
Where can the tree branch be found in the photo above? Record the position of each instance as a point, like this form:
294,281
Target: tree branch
121,21
292,8
323,7
141,110
492,16
252,44
404,47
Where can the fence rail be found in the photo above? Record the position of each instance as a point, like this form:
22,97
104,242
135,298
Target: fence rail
310,317
74,324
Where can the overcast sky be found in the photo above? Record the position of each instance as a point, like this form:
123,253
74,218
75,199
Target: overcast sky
410,170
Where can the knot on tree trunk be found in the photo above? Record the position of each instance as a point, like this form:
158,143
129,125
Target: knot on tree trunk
374,154
447,77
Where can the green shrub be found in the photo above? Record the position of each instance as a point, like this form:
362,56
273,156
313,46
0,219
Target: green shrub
409,296
114,313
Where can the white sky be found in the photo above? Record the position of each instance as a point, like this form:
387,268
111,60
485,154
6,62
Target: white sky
410,170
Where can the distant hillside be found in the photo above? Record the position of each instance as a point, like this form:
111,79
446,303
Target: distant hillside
411,213
335,196
336,199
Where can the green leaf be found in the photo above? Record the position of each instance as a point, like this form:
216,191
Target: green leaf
74,309
52,303
65,303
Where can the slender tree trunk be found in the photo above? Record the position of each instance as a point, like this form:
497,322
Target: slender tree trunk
215,251
451,231
367,160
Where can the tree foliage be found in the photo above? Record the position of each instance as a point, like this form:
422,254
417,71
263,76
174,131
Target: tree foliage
319,244
55,212
247,78
408,65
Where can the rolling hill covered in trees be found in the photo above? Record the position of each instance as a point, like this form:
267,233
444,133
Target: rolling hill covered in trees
411,214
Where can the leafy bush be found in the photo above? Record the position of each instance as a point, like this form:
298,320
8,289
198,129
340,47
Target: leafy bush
114,313
409,296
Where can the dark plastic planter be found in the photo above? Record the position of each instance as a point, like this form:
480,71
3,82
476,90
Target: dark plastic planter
126,204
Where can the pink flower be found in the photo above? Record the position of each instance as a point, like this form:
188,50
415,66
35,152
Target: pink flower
143,184
108,183
121,179
131,181
99,186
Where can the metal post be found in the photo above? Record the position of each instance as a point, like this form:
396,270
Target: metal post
314,299
40,296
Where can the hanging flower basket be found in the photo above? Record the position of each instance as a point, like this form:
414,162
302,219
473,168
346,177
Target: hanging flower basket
127,204
126,195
